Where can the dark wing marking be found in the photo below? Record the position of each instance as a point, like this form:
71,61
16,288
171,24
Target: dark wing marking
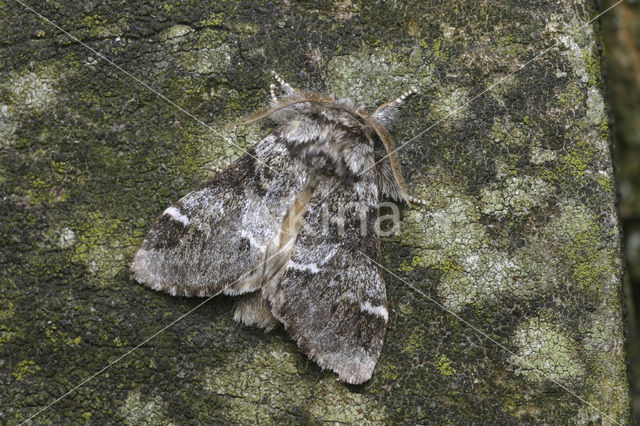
217,234
330,298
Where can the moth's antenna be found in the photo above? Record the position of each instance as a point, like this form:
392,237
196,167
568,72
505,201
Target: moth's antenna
297,97
389,147
417,200
283,83
388,143
293,96
399,101
405,95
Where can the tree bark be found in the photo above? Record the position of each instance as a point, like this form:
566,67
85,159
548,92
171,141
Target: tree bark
505,300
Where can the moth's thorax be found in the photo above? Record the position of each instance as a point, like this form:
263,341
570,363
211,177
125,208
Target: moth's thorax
336,137
331,139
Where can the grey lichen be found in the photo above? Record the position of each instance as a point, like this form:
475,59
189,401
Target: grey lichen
572,37
207,53
451,104
595,106
450,238
67,238
546,353
540,156
175,31
368,74
33,90
271,373
515,195
143,410
8,126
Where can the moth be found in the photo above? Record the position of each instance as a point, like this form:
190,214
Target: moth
258,230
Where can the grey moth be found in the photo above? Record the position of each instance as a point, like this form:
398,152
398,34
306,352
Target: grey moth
268,230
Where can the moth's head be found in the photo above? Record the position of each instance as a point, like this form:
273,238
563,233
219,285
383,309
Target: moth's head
292,103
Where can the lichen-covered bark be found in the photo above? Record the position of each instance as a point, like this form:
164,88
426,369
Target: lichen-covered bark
621,39
517,255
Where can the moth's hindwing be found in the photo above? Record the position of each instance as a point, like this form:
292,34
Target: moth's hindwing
331,298
214,238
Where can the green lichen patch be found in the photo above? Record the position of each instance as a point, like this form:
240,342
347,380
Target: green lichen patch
205,151
97,26
333,403
175,31
578,233
595,107
7,310
507,133
143,410
214,19
33,90
445,367
371,73
564,252
573,37
516,195
576,160
451,105
413,344
24,369
261,381
7,335
47,184
450,238
205,54
546,353
603,343
541,156
104,245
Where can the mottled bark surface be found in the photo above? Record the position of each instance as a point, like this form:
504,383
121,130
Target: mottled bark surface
519,246
621,38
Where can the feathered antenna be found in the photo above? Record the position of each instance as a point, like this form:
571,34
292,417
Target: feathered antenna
286,86
298,97
293,97
399,101
389,147
389,144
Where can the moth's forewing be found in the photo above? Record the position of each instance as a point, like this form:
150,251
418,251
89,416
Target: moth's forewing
213,239
331,298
